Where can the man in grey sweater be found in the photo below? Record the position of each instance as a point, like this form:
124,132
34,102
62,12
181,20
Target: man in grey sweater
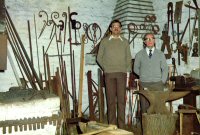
151,66
114,57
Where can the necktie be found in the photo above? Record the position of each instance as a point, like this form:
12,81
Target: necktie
150,53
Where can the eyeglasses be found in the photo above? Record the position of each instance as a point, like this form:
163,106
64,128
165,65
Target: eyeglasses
149,39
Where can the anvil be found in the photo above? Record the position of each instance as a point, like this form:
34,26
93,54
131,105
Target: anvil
158,99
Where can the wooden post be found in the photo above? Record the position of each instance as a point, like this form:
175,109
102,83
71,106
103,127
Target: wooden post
101,97
198,15
3,51
81,75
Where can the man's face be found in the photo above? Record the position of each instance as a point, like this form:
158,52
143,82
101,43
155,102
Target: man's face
149,40
116,29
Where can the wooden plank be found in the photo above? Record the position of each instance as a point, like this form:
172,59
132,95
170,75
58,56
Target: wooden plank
81,76
198,14
3,51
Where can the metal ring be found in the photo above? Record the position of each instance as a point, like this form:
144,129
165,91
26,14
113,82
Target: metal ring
147,18
132,27
153,18
155,29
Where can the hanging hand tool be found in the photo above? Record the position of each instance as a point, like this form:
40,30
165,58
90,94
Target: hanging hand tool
166,40
170,18
65,26
61,27
75,26
182,49
177,19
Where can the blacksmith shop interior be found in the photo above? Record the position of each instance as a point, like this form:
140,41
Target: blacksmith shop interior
53,81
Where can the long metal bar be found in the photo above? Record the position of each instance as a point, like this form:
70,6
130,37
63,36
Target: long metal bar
198,14
60,61
45,71
66,83
24,51
71,61
65,27
179,44
74,77
18,52
30,43
36,42
48,74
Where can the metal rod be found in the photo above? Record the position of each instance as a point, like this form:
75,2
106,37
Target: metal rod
19,53
45,71
24,51
75,97
30,43
48,74
36,42
198,14
71,61
66,83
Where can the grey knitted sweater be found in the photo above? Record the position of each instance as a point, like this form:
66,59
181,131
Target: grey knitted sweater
152,69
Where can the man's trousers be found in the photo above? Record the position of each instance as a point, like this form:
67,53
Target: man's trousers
115,95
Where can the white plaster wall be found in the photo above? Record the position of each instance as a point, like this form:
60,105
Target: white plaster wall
89,11
160,7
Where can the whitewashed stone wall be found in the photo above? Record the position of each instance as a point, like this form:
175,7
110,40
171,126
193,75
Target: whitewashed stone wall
89,11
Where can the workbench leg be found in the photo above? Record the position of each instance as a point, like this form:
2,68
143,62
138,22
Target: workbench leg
181,123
